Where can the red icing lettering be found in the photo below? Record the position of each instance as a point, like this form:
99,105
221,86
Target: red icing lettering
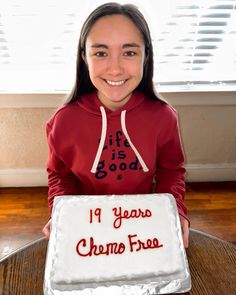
97,213
137,245
121,214
84,248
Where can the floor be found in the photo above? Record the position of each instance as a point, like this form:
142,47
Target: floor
24,211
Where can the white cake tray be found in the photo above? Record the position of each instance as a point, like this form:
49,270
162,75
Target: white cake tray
175,286
155,285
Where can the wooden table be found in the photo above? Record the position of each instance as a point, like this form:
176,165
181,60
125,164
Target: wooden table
212,265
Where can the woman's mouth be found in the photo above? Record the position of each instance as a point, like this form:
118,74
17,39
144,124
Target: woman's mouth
115,83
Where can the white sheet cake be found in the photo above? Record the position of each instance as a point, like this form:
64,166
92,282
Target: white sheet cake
125,241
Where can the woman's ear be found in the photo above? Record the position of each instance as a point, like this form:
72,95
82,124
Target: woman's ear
83,55
145,61
146,56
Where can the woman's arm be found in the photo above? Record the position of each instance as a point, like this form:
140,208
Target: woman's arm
170,174
60,184
61,180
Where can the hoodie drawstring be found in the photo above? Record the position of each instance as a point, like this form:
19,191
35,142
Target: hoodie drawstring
103,137
102,141
123,126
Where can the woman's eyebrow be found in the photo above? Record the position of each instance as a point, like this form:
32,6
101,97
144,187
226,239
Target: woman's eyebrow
99,45
126,45
131,45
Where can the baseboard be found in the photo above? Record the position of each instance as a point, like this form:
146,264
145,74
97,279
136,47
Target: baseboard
23,177
195,173
211,172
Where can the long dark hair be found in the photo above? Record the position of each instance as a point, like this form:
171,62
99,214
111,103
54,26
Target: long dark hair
83,84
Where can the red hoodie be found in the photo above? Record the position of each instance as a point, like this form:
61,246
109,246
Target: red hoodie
96,151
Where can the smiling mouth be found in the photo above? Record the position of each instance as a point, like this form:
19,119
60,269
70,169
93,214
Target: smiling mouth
115,83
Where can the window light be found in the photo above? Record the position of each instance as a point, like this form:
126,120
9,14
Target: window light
193,43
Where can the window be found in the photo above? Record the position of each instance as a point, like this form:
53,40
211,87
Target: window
193,43
194,50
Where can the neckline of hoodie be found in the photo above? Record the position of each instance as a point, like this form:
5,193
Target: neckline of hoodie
93,106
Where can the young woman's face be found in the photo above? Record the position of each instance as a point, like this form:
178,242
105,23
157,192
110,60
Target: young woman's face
115,54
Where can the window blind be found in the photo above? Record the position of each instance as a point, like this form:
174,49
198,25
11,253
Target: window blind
195,49
193,43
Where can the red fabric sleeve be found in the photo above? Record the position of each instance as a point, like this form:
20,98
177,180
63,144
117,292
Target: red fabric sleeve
61,180
170,175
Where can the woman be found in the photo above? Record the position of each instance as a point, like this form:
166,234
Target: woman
115,136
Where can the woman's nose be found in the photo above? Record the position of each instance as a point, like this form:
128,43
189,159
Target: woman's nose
115,65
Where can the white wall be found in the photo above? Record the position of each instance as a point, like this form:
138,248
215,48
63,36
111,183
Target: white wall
208,128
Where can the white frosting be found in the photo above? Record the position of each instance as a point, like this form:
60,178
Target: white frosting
71,223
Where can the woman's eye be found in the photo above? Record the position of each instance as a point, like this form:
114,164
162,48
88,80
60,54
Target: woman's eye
100,54
130,53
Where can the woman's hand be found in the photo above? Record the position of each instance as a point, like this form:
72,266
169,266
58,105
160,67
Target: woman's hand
46,230
185,230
